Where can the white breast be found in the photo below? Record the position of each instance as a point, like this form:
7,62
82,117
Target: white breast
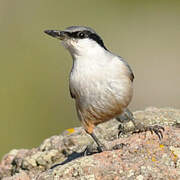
99,79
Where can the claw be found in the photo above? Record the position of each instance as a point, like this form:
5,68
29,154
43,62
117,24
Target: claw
128,115
89,150
121,130
157,130
153,129
101,148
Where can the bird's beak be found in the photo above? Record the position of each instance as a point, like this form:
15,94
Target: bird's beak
56,34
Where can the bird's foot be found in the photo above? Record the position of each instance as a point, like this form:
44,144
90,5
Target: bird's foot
158,130
124,118
90,149
121,130
128,116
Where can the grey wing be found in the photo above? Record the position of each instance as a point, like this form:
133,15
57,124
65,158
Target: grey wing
131,75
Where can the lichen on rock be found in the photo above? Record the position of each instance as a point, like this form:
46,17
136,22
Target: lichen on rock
142,156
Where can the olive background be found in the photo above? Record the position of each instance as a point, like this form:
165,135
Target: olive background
34,68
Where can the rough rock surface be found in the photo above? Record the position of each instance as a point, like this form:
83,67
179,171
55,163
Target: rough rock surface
142,157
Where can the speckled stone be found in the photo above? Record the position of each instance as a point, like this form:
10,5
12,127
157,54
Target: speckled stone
143,156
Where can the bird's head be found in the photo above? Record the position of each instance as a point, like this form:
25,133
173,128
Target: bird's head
79,40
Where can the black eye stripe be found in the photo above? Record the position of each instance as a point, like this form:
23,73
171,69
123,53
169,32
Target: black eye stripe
96,38
77,34
87,34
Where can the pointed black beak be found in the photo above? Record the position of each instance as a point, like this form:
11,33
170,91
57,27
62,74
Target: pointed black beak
56,34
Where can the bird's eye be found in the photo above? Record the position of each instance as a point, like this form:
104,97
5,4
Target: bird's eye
81,35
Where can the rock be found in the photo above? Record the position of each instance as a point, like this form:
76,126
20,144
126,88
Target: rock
142,156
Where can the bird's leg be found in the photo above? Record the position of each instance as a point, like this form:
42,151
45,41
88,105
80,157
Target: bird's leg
89,127
125,117
100,147
128,116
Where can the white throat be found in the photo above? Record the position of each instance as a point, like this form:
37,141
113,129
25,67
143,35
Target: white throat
84,48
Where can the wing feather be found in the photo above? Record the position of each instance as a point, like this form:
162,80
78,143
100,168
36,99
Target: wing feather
131,74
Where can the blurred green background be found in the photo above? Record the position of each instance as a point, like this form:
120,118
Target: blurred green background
34,68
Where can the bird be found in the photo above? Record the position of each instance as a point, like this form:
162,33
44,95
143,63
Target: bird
100,82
